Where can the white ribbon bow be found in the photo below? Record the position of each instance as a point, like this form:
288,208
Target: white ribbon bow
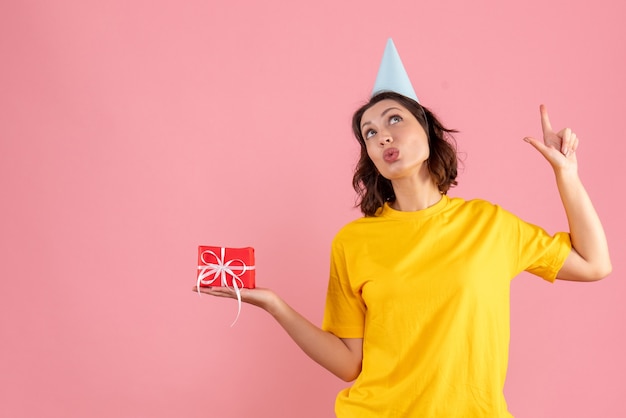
220,270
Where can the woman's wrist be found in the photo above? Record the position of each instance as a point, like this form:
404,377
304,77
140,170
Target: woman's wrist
566,174
274,305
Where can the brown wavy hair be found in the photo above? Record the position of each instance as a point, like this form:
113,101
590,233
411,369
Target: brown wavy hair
372,189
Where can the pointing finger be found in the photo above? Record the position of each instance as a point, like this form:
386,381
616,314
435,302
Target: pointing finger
545,120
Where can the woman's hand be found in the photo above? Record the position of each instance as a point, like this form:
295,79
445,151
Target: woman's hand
263,298
559,148
589,259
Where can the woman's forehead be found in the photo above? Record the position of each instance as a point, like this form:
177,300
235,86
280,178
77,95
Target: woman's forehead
378,108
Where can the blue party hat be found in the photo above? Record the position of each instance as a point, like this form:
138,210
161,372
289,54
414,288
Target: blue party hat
391,74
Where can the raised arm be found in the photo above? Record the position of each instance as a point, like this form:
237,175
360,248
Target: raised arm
589,259
342,357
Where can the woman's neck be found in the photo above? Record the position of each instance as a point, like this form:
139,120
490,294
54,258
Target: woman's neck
414,195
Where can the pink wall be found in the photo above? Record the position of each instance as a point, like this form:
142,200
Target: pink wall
132,131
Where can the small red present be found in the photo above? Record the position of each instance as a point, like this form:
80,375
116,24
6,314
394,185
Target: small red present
227,267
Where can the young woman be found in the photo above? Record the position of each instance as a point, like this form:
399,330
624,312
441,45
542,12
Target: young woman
417,312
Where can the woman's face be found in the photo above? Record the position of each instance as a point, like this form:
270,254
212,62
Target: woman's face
395,141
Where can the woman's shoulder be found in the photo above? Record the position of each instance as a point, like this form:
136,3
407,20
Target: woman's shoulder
360,223
471,204
475,201
359,228
477,207
479,211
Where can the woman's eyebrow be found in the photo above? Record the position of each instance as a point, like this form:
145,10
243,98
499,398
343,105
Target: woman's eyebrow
382,115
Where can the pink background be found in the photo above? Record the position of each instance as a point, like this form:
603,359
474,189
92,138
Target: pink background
133,131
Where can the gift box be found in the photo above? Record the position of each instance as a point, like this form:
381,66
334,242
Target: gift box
226,267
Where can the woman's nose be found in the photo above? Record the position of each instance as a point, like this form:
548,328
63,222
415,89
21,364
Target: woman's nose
385,138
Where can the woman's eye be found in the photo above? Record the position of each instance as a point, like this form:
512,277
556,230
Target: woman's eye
394,119
370,134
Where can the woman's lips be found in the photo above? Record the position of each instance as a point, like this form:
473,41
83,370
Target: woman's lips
391,154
